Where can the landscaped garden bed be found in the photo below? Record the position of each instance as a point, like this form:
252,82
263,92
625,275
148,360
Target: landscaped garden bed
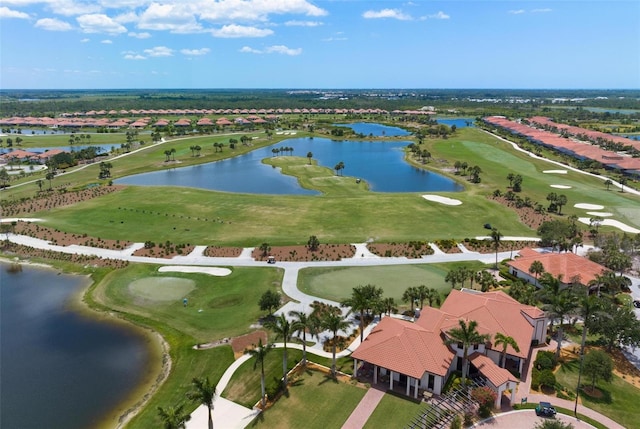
61,238
412,249
488,246
164,250
324,252
222,252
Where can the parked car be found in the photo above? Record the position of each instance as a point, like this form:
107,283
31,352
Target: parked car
545,409
636,303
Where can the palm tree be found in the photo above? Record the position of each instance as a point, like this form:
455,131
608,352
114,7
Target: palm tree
561,201
204,392
282,328
362,299
410,295
389,305
608,183
505,341
496,238
174,417
423,293
333,321
433,296
559,307
173,153
39,182
260,353
467,335
536,268
50,175
302,323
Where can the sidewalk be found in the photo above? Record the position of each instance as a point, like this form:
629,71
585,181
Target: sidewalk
365,408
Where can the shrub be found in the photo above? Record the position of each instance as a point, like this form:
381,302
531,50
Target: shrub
486,397
545,360
456,423
547,378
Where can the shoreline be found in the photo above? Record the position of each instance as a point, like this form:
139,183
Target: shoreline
155,373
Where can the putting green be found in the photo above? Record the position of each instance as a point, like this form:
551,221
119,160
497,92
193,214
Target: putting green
161,288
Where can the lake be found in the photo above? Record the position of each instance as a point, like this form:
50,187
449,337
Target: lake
60,369
380,164
376,130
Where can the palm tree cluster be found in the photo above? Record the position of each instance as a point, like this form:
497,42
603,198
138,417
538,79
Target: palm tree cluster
282,150
421,294
203,392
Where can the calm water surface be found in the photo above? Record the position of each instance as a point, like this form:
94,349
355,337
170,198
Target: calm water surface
377,130
59,369
380,164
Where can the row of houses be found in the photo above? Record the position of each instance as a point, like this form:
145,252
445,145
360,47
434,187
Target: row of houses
573,147
19,155
414,356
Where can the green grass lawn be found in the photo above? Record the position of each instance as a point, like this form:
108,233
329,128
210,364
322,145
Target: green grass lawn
313,401
218,307
619,397
337,283
393,411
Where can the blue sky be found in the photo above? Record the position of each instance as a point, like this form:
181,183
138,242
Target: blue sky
319,44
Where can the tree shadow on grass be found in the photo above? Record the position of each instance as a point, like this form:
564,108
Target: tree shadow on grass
598,396
328,378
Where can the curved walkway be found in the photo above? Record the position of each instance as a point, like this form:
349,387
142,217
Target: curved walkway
230,415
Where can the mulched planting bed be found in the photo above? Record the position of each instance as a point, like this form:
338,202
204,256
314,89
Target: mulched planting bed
244,342
167,250
413,250
486,246
222,252
47,200
527,215
30,252
61,238
325,252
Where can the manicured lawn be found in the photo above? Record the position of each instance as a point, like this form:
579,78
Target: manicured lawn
313,401
337,283
619,397
393,411
218,307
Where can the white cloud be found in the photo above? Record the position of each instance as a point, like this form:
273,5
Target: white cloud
516,12
5,12
139,35
439,15
334,39
99,23
176,18
275,49
386,13
53,24
281,49
254,10
134,56
121,4
71,7
541,10
159,51
106,42
85,40
233,30
248,50
125,18
195,52
303,23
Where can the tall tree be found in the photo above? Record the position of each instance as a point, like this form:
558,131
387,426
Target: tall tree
203,393
282,328
496,238
174,417
505,341
598,366
333,321
302,323
536,269
559,307
362,299
467,335
410,295
260,353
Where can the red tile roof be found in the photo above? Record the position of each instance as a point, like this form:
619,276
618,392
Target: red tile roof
569,266
492,372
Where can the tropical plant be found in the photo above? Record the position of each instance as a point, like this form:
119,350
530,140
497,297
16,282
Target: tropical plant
333,321
282,327
598,366
410,295
203,393
363,299
496,239
269,301
174,417
260,353
505,341
302,323
466,335
313,243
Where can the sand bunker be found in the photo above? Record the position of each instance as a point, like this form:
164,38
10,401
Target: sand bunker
588,206
442,200
212,271
161,288
555,171
600,214
614,223
561,186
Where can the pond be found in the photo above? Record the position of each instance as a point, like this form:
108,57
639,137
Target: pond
60,369
376,130
458,122
380,164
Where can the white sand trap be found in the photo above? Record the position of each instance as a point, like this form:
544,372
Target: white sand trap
442,200
601,214
561,186
212,271
555,171
20,219
614,223
588,206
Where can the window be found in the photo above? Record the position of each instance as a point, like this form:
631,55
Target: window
476,346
